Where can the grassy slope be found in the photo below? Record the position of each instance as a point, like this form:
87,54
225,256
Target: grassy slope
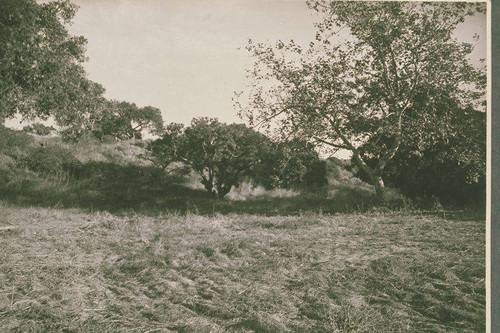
114,178
66,271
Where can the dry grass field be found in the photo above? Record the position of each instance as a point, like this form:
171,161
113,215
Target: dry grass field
69,271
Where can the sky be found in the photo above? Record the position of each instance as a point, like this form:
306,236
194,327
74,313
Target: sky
187,57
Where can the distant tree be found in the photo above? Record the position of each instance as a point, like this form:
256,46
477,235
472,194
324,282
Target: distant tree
163,151
395,74
124,120
40,62
219,153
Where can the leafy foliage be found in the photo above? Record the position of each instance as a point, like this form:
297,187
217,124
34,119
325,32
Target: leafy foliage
41,75
39,129
14,143
124,120
40,62
447,164
50,160
394,76
220,154
288,164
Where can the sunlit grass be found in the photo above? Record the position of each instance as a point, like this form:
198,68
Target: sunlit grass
65,270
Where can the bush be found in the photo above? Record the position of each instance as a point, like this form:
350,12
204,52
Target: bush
50,160
315,177
290,164
14,143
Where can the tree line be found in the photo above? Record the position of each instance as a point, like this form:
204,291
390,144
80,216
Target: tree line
387,81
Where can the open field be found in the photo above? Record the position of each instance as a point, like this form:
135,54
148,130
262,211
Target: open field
69,271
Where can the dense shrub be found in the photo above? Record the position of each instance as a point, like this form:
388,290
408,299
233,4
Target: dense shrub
50,160
290,164
14,143
314,178
123,182
432,179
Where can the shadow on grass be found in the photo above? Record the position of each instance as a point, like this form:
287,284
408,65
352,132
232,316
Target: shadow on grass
122,189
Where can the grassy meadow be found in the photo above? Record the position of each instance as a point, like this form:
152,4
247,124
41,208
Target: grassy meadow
70,271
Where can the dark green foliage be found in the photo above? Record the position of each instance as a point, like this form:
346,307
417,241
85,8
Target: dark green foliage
41,75
219,153
13,147
448,166
50,160
40,62
124,120
222,155
14,143
429,177
289,164
49,175
81,121
315,176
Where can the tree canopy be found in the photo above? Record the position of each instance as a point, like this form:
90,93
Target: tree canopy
124,120
41,75
40,62
219,153
378,75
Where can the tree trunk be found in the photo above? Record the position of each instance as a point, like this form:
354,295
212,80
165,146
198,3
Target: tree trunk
223,190
380,190
375,174
209,187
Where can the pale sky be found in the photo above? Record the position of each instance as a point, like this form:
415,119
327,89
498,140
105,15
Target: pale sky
183,57
188,57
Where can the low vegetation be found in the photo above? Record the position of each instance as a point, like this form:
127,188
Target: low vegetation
92,175
68,271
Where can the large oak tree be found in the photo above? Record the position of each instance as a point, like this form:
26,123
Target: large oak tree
219,153
40,62
378,75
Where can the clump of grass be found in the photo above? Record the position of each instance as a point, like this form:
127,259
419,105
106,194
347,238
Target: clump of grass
65,270
247,190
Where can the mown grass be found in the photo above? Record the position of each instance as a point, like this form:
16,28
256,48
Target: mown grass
70,271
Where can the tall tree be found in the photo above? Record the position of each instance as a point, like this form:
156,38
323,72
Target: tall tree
377,75
83,112
39,59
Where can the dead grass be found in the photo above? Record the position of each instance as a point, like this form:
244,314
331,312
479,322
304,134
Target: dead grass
66,271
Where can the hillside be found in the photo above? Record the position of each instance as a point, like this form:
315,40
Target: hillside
115,176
